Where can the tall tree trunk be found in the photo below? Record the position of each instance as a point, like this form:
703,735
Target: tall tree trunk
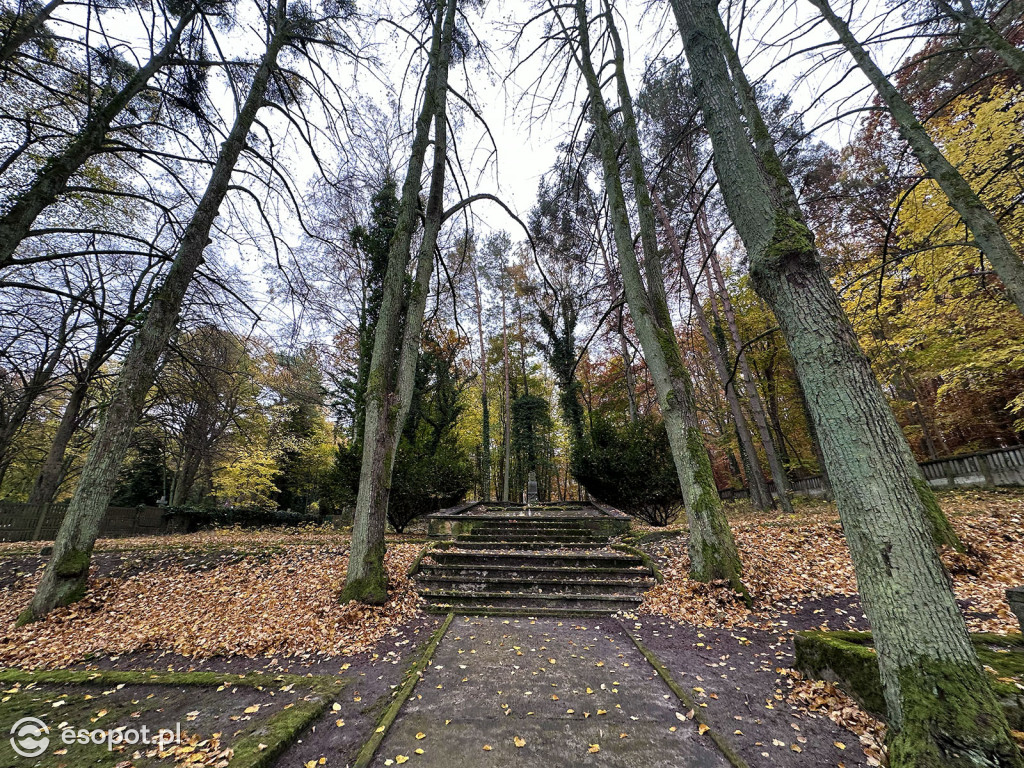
942,711
942,531
964,200
749,383
485,460
66,574
620,329
759,493
18,36
713,554
51,471
366,580
507,438
984,34
51,180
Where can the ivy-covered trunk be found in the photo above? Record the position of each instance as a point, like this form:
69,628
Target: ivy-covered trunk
713,554
66,574
942,709
366,580
52,179
988,235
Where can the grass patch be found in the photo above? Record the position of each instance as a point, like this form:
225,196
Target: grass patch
250,719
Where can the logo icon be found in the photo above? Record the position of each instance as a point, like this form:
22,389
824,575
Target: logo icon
29,737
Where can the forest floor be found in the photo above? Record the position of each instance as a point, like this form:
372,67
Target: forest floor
259,606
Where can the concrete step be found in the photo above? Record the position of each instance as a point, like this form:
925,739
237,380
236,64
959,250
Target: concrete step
429,584
491,545
461,557
522,538
485,569
528,535
527,613
607,603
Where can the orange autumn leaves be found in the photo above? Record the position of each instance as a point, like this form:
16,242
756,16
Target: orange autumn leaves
276,601
787,560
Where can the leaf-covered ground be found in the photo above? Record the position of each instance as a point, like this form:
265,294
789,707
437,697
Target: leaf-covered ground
799,572
788,560
228,593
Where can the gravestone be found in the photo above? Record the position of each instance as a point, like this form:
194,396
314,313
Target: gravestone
1015,597
531,489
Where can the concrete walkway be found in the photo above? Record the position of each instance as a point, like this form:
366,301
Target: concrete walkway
546,694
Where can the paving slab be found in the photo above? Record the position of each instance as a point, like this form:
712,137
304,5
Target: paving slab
543,693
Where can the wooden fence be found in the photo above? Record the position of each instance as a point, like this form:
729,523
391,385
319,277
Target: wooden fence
39,522
985,469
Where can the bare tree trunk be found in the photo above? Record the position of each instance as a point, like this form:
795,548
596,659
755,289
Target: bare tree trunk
941,708
66,574
18,36
627,358
942,531
749,383
366,580
507,440
985,34
965,201
51,472
51,180
759,493
485,460
713,554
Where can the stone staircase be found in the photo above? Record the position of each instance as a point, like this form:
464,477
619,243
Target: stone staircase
536,565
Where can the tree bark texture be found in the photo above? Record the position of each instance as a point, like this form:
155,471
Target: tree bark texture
713,554
66,574
366,580
942,710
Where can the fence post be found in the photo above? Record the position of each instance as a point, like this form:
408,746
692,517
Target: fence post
38,531
986,470
950,471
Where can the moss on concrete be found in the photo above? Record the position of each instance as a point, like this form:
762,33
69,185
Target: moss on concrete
848,659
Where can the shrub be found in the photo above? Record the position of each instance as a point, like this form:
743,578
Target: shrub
631,468
425,481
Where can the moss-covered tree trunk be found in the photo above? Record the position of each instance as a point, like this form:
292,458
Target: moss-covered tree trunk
942,710
366,580
748,383
66,574
53,177
976,216
713,554
942,532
